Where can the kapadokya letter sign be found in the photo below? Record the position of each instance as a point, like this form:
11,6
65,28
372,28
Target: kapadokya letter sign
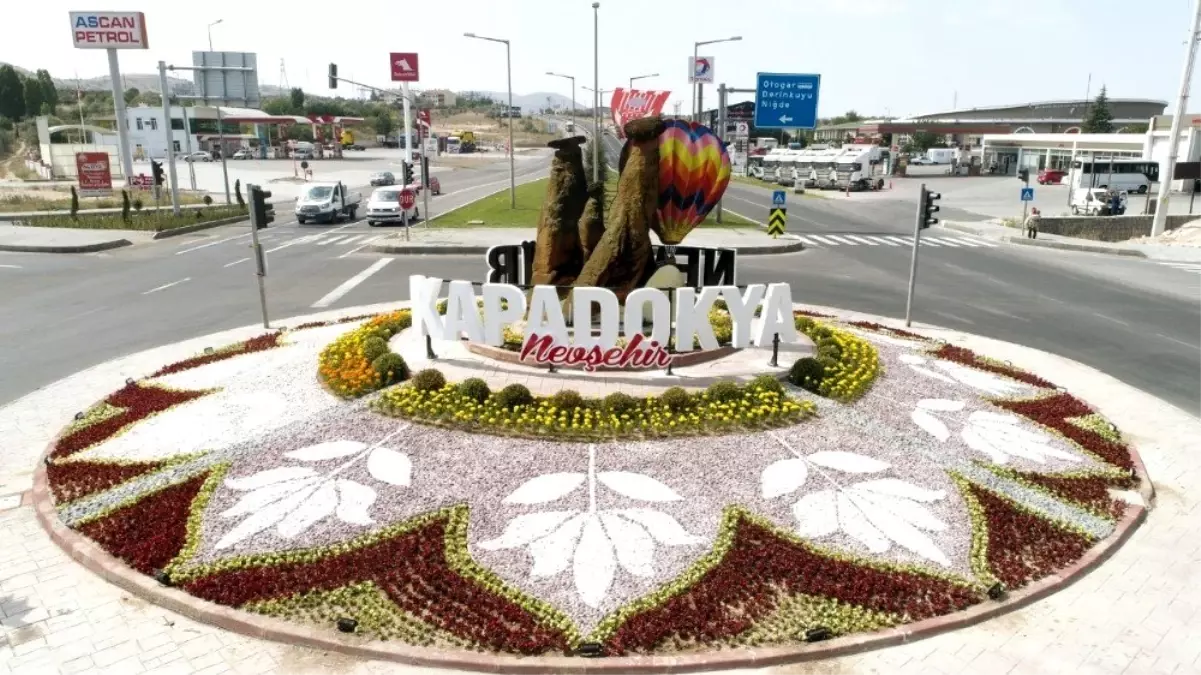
547,338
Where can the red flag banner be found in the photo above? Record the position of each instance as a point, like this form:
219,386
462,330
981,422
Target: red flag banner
632,104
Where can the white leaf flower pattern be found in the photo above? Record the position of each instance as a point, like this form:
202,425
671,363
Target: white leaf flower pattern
294,498
999,437
783,477
957,372
595,543
877,513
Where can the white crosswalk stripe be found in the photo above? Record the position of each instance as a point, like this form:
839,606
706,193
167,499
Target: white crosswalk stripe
890,240
1183,266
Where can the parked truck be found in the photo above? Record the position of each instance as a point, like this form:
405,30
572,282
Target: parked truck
859,167
327,203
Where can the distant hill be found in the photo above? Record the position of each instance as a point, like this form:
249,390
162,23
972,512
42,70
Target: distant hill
139,81
537,100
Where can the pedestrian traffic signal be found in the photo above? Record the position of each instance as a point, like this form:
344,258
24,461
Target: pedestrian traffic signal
261,213
333,76
156,169
1024,175
408,173
928,208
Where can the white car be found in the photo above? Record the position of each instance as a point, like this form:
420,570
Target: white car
198,156
922,161
392,205
244,153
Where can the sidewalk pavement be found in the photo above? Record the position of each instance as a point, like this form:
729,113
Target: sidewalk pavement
1138,613
470,241
19,239
994,230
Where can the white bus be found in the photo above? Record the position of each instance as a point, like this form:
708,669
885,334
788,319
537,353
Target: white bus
1131,175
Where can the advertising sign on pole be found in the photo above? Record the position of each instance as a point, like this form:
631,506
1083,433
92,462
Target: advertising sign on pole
632,104
700,69
109,30
95,174
404,67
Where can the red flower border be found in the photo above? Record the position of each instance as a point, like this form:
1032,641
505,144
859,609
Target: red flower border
743,588
1089,492
255,344
69,481
137,402
967,357
150,532
1022,547
1054,412
332,322
888,330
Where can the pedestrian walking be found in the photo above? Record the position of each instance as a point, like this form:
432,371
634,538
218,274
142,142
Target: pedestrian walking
1032,224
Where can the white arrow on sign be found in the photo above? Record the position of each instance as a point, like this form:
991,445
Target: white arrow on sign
785,119
403,64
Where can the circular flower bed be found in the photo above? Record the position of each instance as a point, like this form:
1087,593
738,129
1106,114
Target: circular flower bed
892,479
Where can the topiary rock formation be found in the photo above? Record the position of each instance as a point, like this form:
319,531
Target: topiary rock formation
592,223
623,254
557,253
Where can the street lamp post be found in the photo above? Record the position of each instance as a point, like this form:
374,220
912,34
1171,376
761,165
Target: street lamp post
641,77
596,91
572,78
210,30
698,92
508,113
597,96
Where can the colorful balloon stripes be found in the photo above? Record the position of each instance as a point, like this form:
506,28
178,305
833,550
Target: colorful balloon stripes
694,170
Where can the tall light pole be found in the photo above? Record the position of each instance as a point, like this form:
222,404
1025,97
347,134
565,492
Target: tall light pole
597,96
641,77
572,78
508,113
596,91
210,30
698,92
1160,220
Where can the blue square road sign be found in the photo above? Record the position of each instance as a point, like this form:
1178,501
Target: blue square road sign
1028,194
778,198
786,100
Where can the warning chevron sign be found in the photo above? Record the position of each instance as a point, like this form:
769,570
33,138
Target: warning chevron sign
776,222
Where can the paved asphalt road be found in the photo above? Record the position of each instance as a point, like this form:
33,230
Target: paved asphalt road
1133,319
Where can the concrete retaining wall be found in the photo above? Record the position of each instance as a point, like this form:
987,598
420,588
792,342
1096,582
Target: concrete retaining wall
1106,228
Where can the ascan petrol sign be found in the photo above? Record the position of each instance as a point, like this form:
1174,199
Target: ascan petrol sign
109,30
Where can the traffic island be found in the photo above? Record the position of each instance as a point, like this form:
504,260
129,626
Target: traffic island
675,474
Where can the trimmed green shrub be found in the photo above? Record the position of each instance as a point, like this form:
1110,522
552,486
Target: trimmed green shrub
676,398
475,389
620,403
430,379
391,368
724,391
807,373
767,383
514,395
567,399
374,347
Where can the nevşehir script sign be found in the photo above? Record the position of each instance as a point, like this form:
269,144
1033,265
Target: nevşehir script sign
547,340
109,30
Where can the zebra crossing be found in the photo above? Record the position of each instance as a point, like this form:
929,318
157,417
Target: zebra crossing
330,239
845,239
1195,268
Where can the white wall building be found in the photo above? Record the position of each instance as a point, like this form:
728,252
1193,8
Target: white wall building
192,128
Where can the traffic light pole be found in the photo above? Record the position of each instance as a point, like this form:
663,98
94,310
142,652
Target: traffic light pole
917,237
162,82
260,258
425,186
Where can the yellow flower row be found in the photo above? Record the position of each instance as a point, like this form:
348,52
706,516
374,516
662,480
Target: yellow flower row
351,366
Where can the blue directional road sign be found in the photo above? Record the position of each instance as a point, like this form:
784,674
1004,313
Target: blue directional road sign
786,101
1027,194
778,198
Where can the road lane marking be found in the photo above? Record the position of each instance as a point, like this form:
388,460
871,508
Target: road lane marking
298,240
866,241
978,241
803,240
885,240
211,243
165,286
1110,318
349,285
901,240
827,242
841,240
945,242
328,240
1179,342
930,242
362,246
240,260
963,242
12,267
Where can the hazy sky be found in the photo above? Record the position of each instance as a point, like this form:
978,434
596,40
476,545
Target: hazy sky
876,56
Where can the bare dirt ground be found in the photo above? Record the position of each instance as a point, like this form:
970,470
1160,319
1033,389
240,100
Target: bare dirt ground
1188,234
527,132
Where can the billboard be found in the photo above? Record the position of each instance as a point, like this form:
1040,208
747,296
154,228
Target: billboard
632,104
95,174
227,87
109,30
700,69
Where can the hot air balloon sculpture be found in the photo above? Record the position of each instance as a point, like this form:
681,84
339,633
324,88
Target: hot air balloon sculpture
694,170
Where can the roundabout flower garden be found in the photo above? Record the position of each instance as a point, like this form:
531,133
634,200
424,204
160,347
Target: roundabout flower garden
310,475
